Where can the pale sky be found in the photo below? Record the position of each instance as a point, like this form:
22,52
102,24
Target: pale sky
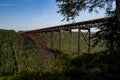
35,14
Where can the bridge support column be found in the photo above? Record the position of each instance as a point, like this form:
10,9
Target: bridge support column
79,41
60,40
70,41
41,35
89,41
24,39
46,38
52,39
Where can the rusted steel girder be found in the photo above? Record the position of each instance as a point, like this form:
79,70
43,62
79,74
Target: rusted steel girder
89,43
46,55
52,39
78,41
70,41
24,40
60,40
83,25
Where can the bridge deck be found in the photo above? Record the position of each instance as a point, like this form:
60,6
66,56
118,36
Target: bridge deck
82,25
46,55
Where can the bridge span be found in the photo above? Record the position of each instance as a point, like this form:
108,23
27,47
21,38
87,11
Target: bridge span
56,32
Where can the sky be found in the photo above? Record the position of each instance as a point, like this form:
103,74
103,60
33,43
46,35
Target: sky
35,14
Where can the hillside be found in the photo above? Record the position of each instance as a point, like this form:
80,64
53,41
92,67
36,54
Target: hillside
13,59
26,64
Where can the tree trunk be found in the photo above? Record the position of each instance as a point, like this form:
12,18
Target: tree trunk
117,19
118,13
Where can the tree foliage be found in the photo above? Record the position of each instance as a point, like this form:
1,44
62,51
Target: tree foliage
109,33
71,8
17,64
9,47
15,60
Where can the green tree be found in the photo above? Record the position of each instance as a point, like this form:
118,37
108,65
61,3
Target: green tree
13,59
9,48
71,8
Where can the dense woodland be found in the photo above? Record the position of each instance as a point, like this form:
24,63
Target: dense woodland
13,59
27,64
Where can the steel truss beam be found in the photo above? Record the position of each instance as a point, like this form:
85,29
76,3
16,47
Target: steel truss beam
82,25
43,36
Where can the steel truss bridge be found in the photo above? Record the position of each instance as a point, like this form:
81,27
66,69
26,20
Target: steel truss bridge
46,38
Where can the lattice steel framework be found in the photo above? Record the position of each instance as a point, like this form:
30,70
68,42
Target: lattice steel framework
56,34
